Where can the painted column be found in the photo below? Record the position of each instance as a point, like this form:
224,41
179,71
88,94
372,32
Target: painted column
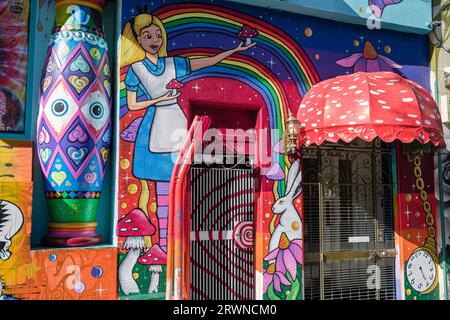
74,125
416,225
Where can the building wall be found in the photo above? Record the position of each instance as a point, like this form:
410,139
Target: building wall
292,53
440,61
31,271
407,16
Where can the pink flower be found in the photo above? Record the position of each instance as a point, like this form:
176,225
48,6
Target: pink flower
286,256
270,275
368,61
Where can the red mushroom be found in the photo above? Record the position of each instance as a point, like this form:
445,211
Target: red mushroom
173,85
155,258
134,226
247,33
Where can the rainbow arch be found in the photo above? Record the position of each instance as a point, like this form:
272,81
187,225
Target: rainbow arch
178,18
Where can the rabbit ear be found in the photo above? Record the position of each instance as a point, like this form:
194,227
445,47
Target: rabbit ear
294,179
298,188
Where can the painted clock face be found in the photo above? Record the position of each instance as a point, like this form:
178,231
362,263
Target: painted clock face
421,271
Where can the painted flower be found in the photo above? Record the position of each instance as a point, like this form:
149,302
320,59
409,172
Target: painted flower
277,277
377,6
286,256
368,61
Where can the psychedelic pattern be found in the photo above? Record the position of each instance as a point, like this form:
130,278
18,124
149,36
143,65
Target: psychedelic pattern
289,58
74,130
416,226
27,274
74,125
236,69
14,16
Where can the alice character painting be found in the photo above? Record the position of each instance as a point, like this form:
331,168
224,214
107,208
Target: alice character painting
144,50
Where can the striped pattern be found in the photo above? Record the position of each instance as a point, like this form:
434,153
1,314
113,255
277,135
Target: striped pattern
211,235
221,201
162,194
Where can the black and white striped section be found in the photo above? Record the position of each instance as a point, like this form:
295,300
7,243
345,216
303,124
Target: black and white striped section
222,202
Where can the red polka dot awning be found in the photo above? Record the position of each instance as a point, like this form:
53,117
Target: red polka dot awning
369,105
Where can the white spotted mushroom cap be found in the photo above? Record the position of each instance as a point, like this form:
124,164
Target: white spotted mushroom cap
135,224
247,32
154,256
174,84
369,105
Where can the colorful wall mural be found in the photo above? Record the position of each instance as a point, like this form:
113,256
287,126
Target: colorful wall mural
14,16
406,16
174,56
201,45
35,274
440,60
417,226
377,6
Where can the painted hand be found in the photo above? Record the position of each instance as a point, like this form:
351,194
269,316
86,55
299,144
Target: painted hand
241,47
168,96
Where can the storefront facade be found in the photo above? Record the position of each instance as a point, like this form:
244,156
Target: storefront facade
330,195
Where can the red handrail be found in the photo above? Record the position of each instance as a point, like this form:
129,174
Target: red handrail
179,213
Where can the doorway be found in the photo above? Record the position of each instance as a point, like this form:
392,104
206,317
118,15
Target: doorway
222,233
222,221
348,221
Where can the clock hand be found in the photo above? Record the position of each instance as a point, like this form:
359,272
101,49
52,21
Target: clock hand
423,274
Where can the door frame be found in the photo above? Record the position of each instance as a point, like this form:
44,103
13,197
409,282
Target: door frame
254,216
262,128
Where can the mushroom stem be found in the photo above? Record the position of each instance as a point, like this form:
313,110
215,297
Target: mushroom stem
248,41
173,92
127,283
154,280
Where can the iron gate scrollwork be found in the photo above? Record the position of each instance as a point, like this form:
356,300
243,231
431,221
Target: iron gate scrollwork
348,221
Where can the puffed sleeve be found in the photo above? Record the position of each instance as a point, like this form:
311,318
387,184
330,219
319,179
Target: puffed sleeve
131,80
182,66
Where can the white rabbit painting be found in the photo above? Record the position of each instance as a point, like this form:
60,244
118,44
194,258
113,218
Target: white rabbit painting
290,222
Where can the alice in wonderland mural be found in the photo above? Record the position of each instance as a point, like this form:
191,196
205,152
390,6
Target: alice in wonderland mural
176,53
150,81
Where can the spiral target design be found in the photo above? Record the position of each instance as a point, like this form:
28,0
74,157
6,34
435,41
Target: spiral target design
243,234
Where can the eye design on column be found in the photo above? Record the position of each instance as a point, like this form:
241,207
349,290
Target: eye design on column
59,108
96,110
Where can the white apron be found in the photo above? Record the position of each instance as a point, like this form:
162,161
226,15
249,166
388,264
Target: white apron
168,115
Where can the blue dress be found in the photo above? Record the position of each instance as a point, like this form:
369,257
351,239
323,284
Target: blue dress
149,165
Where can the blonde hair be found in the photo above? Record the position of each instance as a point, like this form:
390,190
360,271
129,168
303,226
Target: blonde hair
131,50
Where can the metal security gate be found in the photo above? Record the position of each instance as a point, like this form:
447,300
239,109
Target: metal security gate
222,233
348,221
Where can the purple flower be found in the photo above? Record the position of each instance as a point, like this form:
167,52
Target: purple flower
286,256
368,61
377,6
277,277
